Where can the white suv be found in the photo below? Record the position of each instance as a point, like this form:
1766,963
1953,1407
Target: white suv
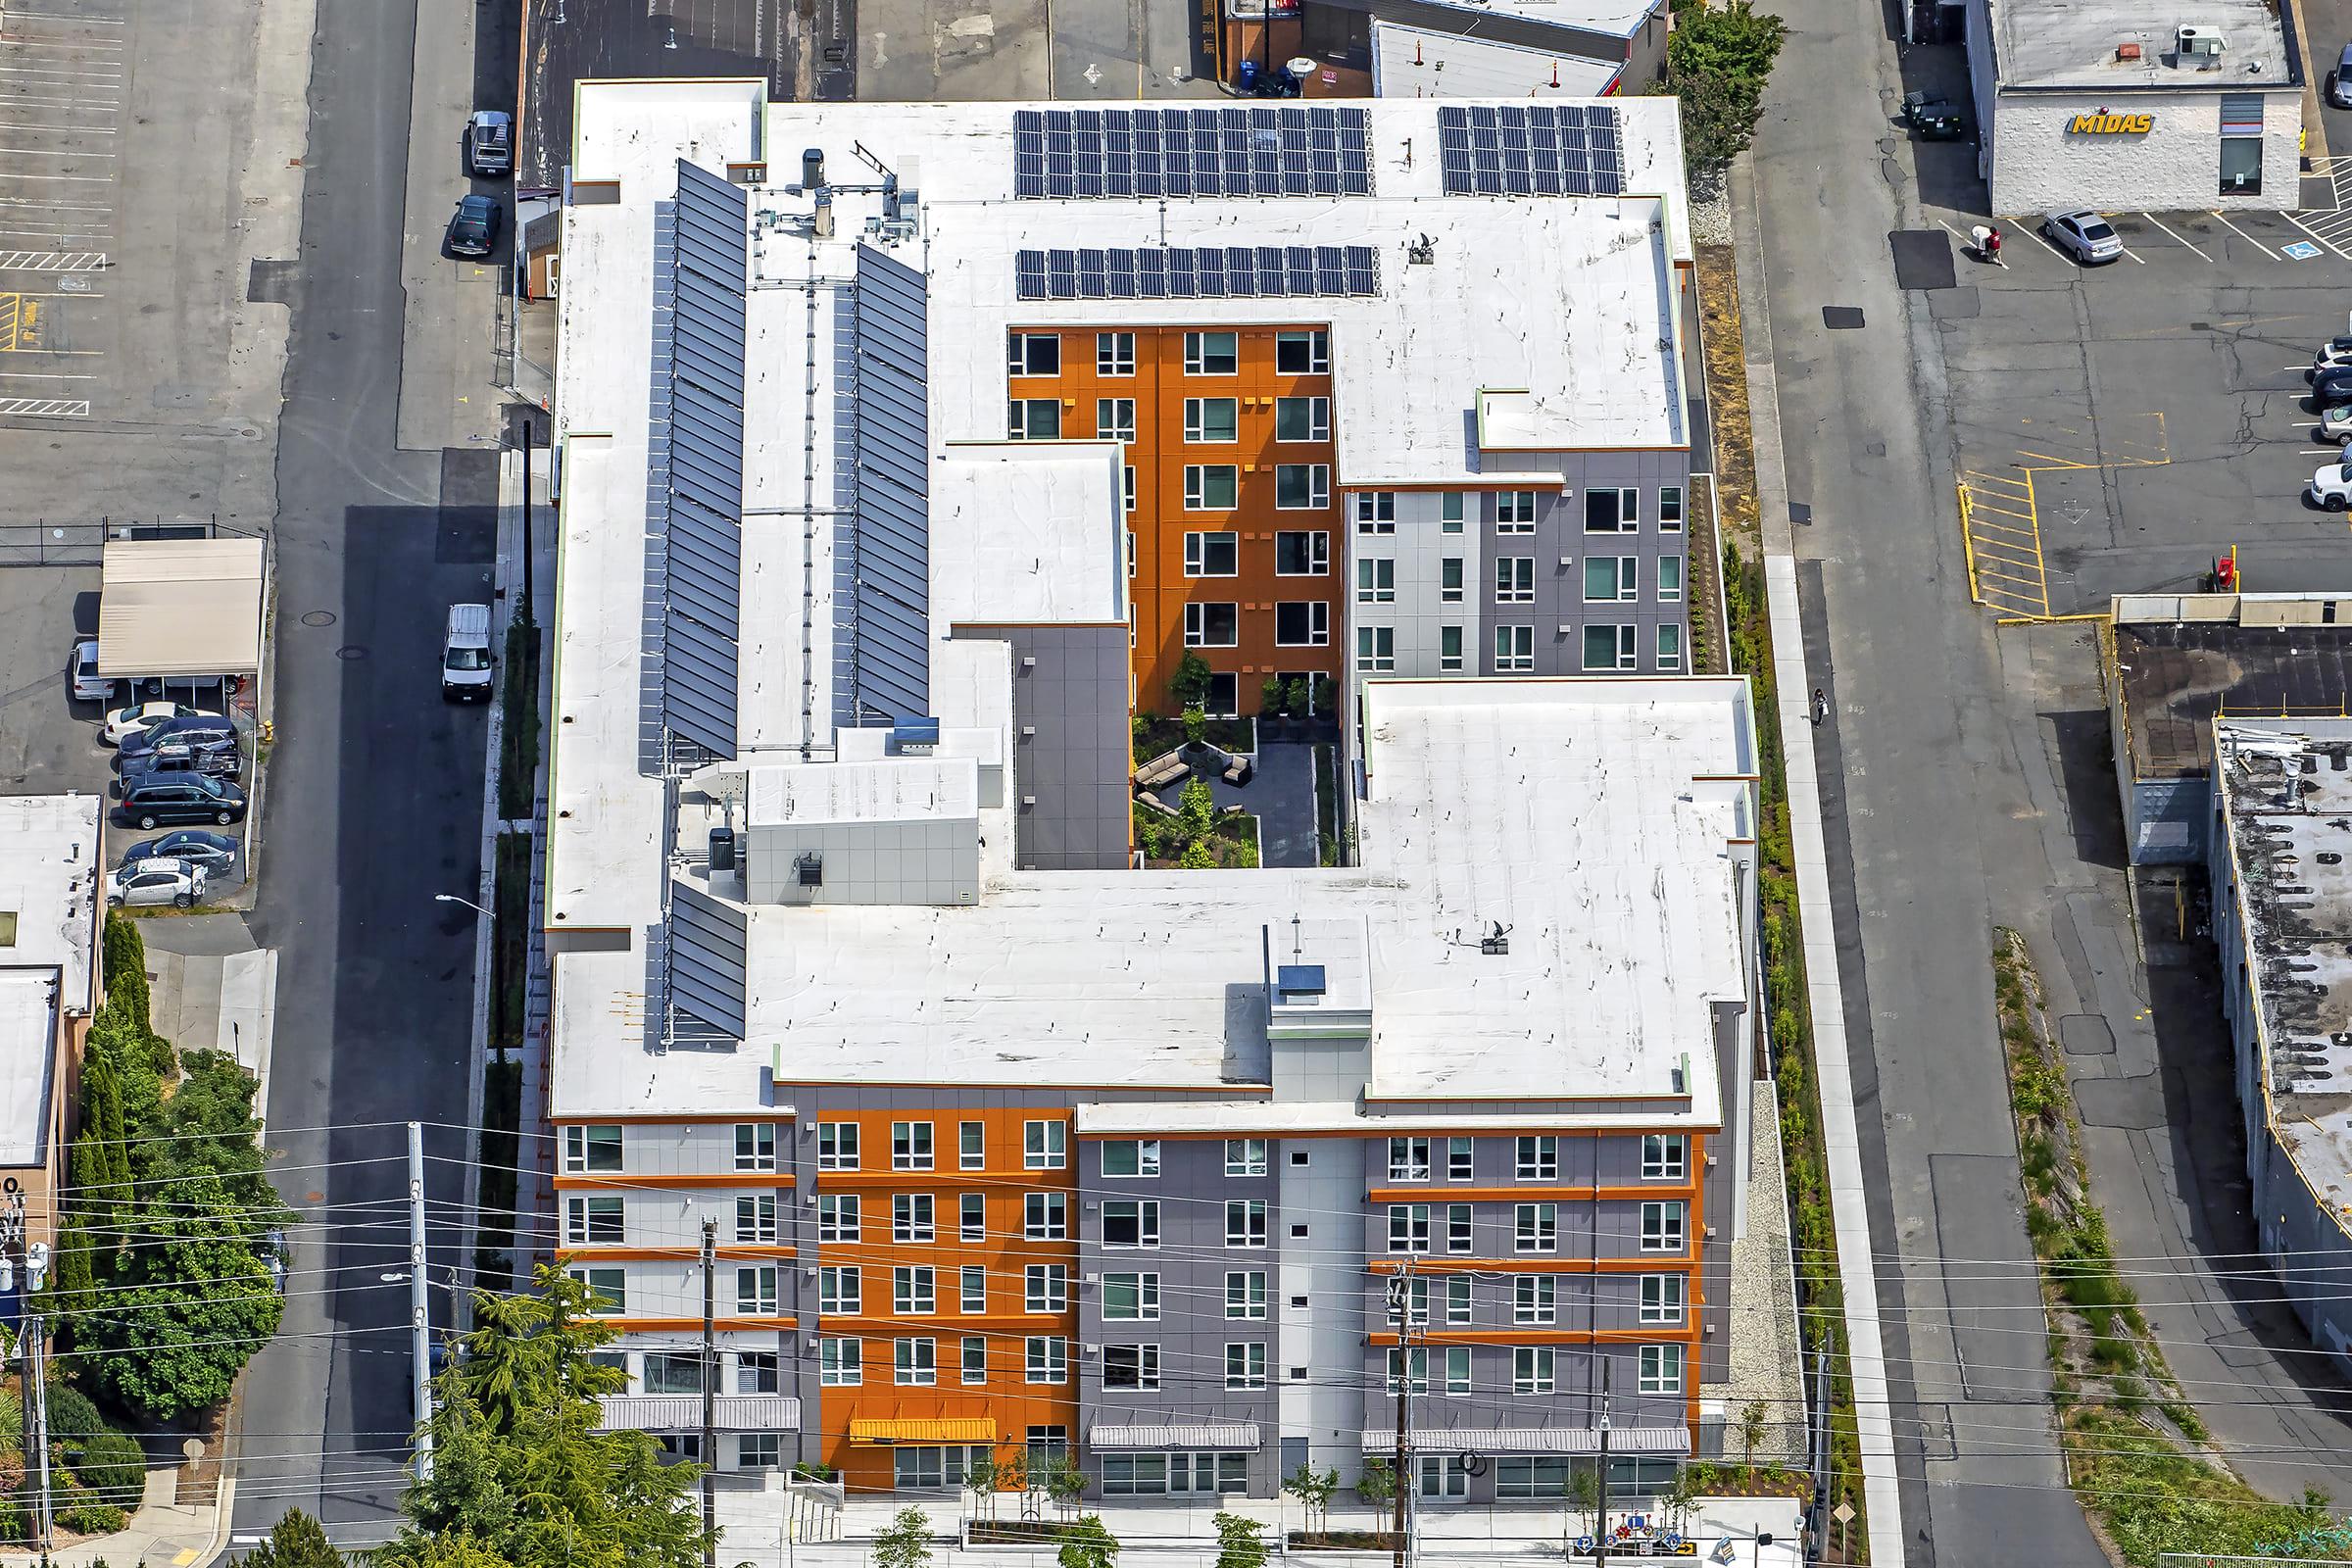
158,881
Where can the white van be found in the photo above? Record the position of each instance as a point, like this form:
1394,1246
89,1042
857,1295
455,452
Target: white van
466,655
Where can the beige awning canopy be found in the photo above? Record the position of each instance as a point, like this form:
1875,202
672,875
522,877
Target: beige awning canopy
180,606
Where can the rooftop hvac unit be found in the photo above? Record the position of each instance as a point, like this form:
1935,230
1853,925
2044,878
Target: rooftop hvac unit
2198,43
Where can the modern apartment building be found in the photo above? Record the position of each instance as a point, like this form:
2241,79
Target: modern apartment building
1011,1150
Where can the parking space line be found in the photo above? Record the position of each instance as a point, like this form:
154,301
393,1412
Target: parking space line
45,408
2160,223
2242,234
2315,234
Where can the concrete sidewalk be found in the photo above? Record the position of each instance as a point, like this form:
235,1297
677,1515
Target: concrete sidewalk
162,1534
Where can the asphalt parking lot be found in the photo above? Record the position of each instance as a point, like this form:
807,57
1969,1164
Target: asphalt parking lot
2117,427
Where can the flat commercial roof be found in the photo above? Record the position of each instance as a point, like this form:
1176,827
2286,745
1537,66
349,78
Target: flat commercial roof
2071,44
1420,63
49,866
1620,19
181,606
2175,673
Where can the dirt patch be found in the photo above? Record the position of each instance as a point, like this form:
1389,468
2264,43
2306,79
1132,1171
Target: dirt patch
1725,346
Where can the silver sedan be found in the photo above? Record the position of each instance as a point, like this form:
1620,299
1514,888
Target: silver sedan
2085,235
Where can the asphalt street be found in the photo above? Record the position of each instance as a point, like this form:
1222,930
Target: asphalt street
376,790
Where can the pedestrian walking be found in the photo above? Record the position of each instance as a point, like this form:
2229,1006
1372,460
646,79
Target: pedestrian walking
1820,708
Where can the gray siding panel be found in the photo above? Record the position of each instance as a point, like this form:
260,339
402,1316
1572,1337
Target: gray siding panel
889,653
1070,687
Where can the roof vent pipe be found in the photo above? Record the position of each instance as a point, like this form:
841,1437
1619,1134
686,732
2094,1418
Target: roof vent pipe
812,168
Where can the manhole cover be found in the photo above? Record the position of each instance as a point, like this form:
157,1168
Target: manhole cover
319,617
350,652
1841,318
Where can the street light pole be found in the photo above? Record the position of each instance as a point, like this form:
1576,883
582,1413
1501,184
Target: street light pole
452,898
419,1332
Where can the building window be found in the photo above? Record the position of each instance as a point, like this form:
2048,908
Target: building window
1535,1227
1246,1294
1530,1369
1045,1216
609,1287
836,1145
1213,626
1213,352
1375,649
1610,648
1244,1156
757,1372
1662,1369
1302,352
756,1219
1210,486
758,1451
1460,1163
1538,1159
971,1144
972,1361
917,1362
1034,352
1212,419
1542,1477
1376,512
971,1217
840,1363
837,1218
1514,579
1670,509
2241,144
1131,1366
755,1291
1213,555
1409,1227
1114,353
1449,648
840,1292
1044,1287
1131,1222
1302,486
1301,553
1515,511
1408,1159
1245,1222
1127,488
755,1146
912,1218
1375,580
1514,649
1457,1227
1670,579
1033,420
1302,623
1047,1359
1224,697
1458,1369
972,1289
1608,577
1444,1475
913,1289
1457,1300
1449,580
1662,1227
1303,419
909,1145
591,1148
1413,1366
1534,1299
1611,510
1416,1301
1449,512
1661,1298
1131,1156
592,1221
1131,1298
1665,1157
1115,419
1670,646
1245,1365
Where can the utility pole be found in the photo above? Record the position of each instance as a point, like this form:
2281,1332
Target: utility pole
1600,1537
37,1348
710,1392
1400,1295
32,1339
421,1339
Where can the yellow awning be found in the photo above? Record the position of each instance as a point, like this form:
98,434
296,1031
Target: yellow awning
982,1430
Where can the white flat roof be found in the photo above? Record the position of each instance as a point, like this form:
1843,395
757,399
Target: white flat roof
1623,915
1421,62
49,863
1028,531
1618,17
885,789
2072,43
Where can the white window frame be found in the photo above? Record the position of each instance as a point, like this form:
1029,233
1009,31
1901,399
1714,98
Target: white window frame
1244,1156
914,1363
1671,499
1669,566
913,1289
972,1216
840,1363
971,1290
585,1151
1147,1157
1318,623
1146,1224
1659,1369
1246,1294
840,1217
973,1368
1114,353
1016,418
1409,1159
1017,348
1514,649
1196,547
1460,1234
1461,1158
755,1146
1318,488
1247,1370
911,1146
1534,1299
1665,1226
1514,579
1195,421
1458,1300
1514,512
1408,1228
1535,1157
1376,512
1375,649
1318,553
1146,1366
755,1218
1196,347
1318,351
1195,486
1534,1369
1375,579
840,1291
1197,627
913,1218
1416,1368
1665,1157
1045,1144
1625,583
843,1137
755,1291
1145,1285
1045,1216
1252,1229
1670,645
1045,1360
1318,419
1114,419
1450,579
1535,1227
582,1216
1449,657
1629,507
1457,1370
1628,652
1664,1298
1044,1287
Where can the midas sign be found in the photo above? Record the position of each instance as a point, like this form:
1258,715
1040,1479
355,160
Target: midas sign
2103,123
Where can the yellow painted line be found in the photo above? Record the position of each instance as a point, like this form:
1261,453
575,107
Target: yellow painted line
2025,516
2000,478
2004,528
2055,461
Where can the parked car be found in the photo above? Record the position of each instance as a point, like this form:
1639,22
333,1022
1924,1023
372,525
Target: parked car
211,729
473,226
81,672
2083,234
489,144
153,882
2332,389
2332,486
214,854
159,799
213,759
1932,119
129,720
2336,425
2339,80
466,655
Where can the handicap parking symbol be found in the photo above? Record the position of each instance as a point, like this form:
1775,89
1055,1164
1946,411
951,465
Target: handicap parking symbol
2301,250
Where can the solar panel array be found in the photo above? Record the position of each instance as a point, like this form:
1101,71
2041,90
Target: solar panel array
1531,150
1199,273
1272,151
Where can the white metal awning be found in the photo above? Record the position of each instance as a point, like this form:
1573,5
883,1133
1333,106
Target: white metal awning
683,1412
180,606
1228,1435
1533,1440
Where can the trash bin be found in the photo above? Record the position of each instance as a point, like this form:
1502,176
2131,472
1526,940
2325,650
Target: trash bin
1247,81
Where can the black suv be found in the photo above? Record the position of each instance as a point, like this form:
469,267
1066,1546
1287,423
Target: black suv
157,800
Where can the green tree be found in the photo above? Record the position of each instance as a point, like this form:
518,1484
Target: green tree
1196,724
1377,1485
1238,1542
1196,857
1269,695
980,1480
1680,1495
1087,1543
1191,681
904,1542
1754,1426
1313,1491
1718,59
1582,1492
1294,697
534,1481
296,1540
184,1310
1064,1482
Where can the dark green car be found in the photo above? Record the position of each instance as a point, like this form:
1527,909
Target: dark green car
1932,119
